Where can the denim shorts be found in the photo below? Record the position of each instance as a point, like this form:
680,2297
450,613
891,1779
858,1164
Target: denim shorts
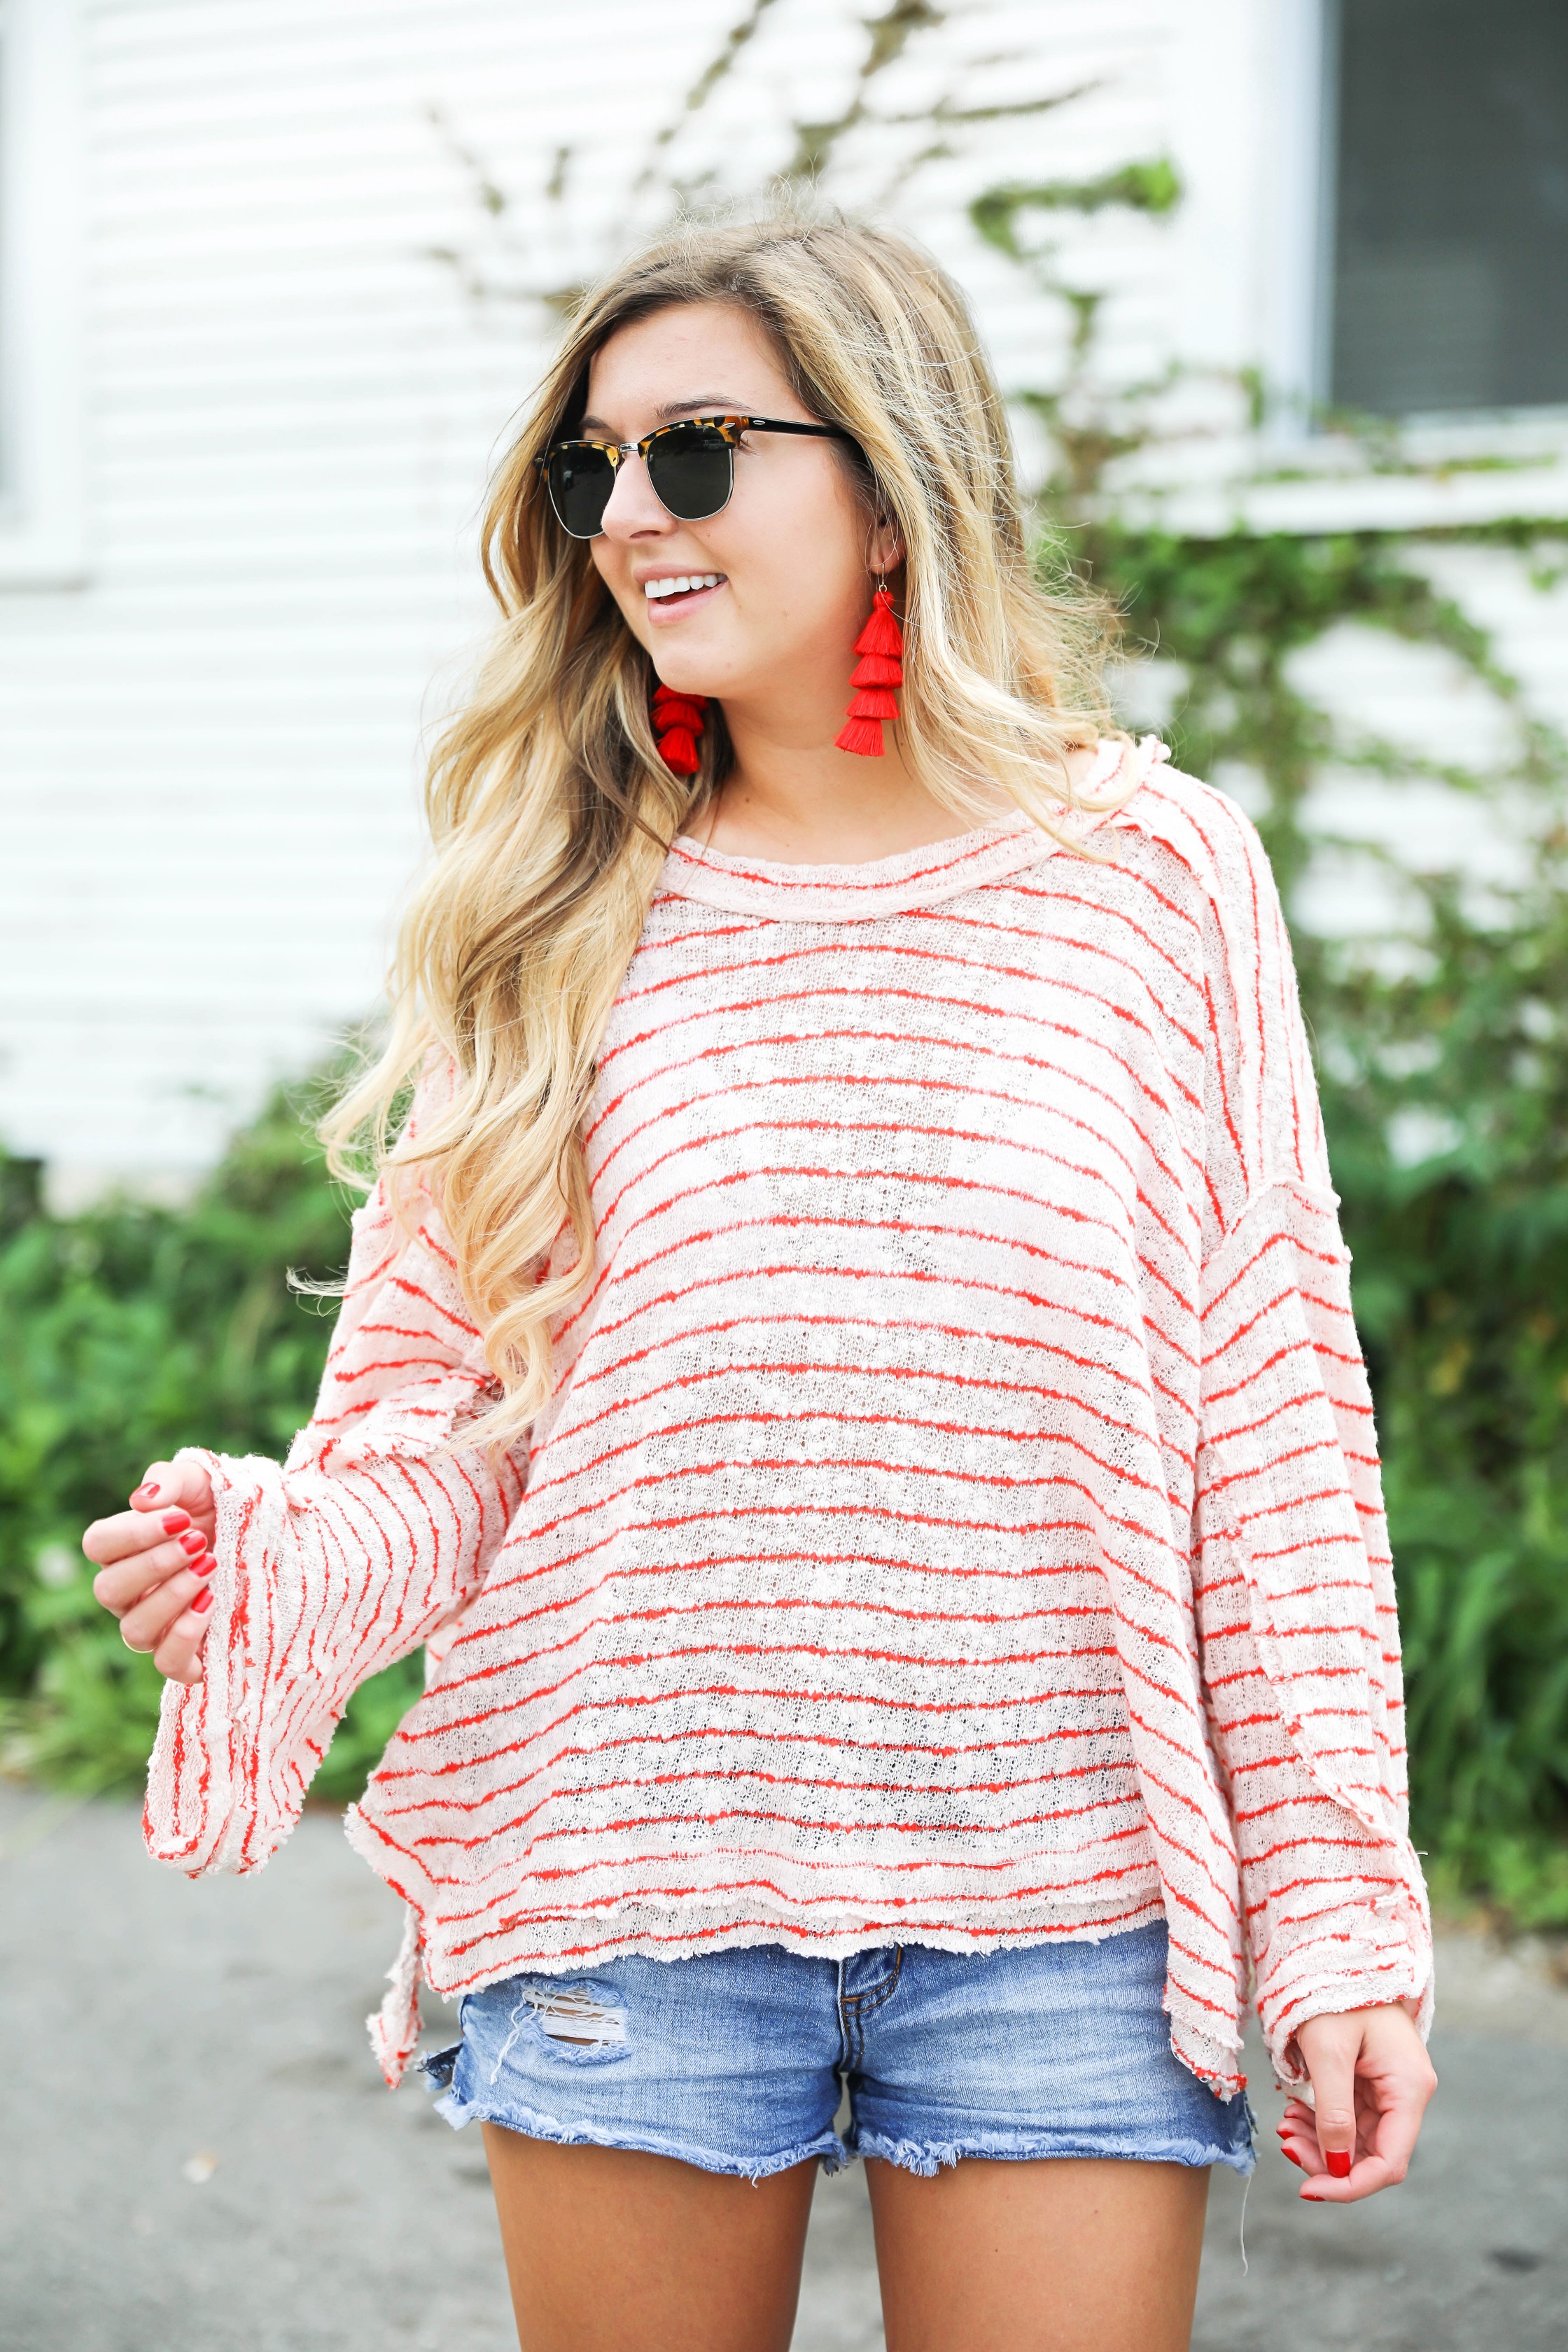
737,2061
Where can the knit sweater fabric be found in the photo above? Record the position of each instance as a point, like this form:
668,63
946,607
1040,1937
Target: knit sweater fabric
956,1518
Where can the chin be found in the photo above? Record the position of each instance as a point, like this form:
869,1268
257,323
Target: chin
691,670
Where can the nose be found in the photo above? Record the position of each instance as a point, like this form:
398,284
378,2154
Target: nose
632,509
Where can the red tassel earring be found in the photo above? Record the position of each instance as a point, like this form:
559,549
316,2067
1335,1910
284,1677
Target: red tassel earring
880,669
678,722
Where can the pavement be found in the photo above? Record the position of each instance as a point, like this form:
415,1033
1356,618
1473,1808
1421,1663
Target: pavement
197,2155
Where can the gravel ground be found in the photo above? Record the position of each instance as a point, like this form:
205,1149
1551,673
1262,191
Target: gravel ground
196,2154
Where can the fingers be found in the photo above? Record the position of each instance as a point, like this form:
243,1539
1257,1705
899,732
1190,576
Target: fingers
178,1655
137,1549
1363,2180
175,1486
1298,2139
1371,2081
144,1625
134,1550
154,1561
138,1575
1387,2137
1330,2057
126,1535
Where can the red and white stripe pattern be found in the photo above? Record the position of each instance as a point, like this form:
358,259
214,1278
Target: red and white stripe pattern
957,1517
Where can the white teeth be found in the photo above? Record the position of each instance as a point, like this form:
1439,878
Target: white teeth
681,586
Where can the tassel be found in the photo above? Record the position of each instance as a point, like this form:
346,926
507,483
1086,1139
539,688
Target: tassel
876,669
881,644
863,735
881,634
678,722
677,749
680,710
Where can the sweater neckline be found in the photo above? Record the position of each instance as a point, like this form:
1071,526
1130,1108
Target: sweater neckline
859,891
868,888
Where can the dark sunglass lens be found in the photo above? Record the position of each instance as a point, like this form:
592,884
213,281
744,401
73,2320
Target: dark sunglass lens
692,471
581,478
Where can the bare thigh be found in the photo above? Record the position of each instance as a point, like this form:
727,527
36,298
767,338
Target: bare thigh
608,2250
1065,2255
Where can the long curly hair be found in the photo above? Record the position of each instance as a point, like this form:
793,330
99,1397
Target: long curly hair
550,810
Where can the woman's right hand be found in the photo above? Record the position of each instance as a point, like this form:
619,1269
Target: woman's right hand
153,1563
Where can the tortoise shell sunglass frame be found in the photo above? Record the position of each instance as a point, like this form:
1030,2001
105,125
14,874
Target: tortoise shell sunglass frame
691,464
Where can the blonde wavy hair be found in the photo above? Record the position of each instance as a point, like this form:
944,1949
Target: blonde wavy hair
550,810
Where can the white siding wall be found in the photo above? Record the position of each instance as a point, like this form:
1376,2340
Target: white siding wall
208,751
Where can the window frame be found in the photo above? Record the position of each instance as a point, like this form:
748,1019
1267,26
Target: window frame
1299,161
42,512
1325,68
1448,474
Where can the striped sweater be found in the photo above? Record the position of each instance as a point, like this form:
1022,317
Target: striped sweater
956,1518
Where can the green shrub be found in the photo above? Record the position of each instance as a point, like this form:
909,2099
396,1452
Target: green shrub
125,1332
1461,1292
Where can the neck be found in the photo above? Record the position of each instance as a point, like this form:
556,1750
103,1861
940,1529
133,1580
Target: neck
792,796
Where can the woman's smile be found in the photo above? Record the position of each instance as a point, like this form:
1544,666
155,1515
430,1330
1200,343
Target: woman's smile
670,594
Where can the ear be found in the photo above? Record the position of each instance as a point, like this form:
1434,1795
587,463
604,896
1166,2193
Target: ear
884,546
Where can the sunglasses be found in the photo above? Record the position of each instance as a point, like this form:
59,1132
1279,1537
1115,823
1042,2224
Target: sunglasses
691,464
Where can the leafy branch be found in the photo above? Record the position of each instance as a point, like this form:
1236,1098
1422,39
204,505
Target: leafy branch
525,231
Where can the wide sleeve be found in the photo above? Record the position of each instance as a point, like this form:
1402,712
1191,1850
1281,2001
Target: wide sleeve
1294,1594
378,1526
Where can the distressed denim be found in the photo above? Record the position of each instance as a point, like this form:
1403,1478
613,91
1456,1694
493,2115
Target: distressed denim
736,2061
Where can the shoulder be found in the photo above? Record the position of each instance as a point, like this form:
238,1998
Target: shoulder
1203,827
1205,833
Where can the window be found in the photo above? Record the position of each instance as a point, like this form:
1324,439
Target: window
1449,181
40,174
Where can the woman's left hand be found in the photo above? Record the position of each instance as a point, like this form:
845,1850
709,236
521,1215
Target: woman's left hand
1371,2081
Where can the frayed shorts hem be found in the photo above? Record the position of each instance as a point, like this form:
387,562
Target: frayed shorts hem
827,2148
927,2158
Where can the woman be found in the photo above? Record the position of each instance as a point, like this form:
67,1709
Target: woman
848,1367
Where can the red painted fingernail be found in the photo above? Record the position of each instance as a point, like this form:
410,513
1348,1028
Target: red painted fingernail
1290,2157
203,1600
143,1498
192,1541
204,1567
1338,2160
175,1522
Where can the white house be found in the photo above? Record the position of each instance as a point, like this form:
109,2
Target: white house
274,279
